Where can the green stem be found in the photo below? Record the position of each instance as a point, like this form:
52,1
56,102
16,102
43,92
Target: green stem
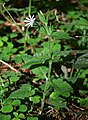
44,95
29,12
49,71
26,38
47,79
26,35
46,86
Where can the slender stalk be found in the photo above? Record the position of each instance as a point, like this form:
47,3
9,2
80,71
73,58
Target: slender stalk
26,35
44,94
46,86
26,38
47,79
29,12
49,71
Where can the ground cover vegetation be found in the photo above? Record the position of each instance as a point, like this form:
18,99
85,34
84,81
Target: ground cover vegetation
44,60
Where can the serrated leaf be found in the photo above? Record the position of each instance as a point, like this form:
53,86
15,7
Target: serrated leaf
60,35
33,41
84,102
40,72
17,58
57,101
41,17
53,46
26,58
24,92
82,62
62,87
33,61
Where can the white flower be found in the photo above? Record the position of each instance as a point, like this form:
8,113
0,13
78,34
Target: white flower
30,21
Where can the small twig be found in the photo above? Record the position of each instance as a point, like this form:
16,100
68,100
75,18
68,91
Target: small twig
5,67
77,107
9,66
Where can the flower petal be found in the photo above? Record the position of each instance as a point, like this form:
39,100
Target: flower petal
30,21
27,18
26,21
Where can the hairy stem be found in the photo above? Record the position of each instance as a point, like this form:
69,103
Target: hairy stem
46,86
47,79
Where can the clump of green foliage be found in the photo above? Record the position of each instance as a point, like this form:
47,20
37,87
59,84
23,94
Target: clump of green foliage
45,67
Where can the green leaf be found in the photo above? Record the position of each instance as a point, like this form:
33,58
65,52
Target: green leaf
24,92
9,47
5,117
41,17
57,101
71,79
22,108
40,72
7,101
33,41
1,21
73,14
32,118
57,54
1,43
84,102
53,47
5,56
33,61
14,78
16,119
22,40
82,61
83,1
83,92
6,109
13,35
16,103
17,58
60,35
42,30
62,87
22,116
81,23
15,114
56,47
26,87
26,58
5,38
35,99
